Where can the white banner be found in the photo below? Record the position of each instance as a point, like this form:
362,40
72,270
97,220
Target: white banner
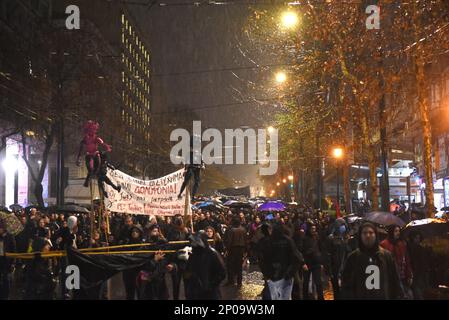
149,197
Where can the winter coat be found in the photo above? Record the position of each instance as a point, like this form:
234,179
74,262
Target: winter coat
235,237
205,271
281,258
311,249
370,274
401,257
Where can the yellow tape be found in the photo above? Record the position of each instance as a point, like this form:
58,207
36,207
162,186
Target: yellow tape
63,253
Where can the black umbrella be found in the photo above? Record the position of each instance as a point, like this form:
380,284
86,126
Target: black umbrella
427,227
239,204
72,208
384,218
15,207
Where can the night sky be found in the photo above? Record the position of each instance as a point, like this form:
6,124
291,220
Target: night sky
190,47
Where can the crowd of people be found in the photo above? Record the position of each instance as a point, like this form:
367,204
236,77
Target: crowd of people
300,253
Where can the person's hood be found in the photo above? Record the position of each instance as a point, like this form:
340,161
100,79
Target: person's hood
136,227
199,240
39,243
361,245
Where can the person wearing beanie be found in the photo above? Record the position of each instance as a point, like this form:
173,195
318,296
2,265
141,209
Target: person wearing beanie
370,271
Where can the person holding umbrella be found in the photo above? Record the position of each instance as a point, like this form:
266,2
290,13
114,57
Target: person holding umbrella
398,248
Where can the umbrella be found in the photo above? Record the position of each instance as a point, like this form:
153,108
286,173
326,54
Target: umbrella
72,208
352,218
229,202
15,207
384,218
12,223
427,227
238,204
271,206
210,205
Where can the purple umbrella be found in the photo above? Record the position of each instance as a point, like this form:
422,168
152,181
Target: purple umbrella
271,206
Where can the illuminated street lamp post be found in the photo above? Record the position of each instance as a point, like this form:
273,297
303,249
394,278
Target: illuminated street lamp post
338,154
280,77
289,19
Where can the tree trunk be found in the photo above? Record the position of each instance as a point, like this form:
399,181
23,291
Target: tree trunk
427,137
423,104
372,163
346,186
37,179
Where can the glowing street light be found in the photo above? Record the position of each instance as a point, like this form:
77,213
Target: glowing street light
289,19
278,184
10,164
270,129
290,177
280,77
284,180
337,153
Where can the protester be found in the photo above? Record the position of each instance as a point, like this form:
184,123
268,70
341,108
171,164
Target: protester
420,257
205,270
40,278
235,241
7,244
281,261
339,250
130,276
152,277
312,251
398,249
125,231
217,243
370,271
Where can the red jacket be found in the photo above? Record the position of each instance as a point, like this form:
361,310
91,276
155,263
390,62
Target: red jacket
401,257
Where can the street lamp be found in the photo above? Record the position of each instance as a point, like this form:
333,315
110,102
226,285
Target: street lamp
290,177
278,184
280,77
284,180
270,129
289,19
338,154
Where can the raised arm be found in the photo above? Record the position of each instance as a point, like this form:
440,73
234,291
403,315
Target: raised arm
105,145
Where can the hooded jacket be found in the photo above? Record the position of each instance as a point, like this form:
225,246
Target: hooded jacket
205,270
398,249
370,273
281,259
